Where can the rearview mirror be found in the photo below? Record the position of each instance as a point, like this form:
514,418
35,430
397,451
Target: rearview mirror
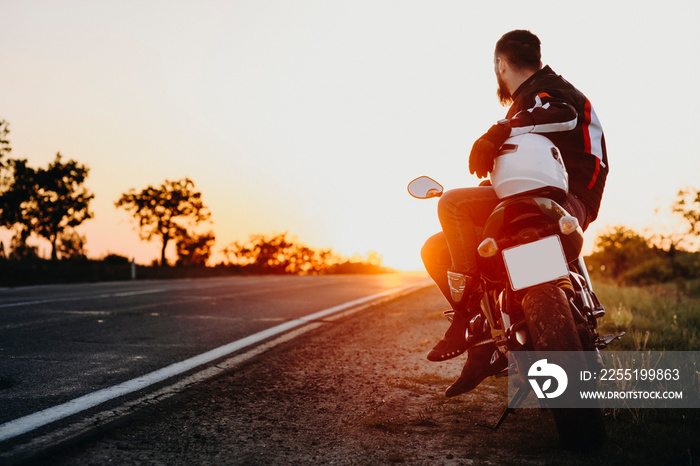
424,187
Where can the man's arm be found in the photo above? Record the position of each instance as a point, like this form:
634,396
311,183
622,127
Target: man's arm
547,115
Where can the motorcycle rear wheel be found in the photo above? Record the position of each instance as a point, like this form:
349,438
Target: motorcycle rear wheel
552,328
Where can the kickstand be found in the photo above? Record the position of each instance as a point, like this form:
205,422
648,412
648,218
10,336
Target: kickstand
515,402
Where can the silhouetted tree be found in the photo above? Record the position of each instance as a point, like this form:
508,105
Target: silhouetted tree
687,204
618,250
61,201
193,249
46,202
5,148
277,254
165,211
5,180
71,245
264,254
18,188
19,247
280,255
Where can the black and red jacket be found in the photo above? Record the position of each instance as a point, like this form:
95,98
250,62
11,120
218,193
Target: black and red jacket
549,105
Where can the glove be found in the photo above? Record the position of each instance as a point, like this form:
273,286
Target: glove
485,149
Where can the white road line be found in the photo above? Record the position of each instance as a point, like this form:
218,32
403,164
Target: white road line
82,298
39,419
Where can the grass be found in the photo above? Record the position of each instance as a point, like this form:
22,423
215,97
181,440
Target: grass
656,318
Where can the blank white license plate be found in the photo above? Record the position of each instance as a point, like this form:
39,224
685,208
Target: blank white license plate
535,263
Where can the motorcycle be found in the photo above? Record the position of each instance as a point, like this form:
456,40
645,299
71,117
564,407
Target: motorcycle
536,289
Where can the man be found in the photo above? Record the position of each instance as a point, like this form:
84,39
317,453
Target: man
540,102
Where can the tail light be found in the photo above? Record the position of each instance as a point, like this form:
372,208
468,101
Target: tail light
568,224
488,248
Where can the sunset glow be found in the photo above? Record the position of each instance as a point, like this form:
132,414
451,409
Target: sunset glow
310,117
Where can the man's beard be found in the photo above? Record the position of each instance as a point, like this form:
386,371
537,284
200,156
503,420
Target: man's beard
504,97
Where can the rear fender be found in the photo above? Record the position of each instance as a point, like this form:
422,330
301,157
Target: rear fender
523,220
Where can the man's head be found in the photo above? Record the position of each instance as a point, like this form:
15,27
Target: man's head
516,58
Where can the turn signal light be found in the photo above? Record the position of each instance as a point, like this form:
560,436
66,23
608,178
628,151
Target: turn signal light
488,248
568,224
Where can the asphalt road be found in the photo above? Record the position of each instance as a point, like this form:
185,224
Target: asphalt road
58,343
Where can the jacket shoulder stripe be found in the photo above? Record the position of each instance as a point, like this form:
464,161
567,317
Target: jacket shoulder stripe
592,132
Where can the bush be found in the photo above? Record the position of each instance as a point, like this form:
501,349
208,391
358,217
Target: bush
278,254
654,270
115,259
625,257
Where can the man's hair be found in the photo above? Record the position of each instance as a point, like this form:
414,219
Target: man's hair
521,48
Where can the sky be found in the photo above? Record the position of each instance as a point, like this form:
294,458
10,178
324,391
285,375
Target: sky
311,116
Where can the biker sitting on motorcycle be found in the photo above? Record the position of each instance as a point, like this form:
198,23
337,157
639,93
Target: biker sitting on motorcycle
540,102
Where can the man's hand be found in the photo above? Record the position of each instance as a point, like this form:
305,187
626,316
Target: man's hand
485,149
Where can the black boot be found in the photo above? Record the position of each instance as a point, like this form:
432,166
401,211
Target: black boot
468,324
465,291
468,327
482,361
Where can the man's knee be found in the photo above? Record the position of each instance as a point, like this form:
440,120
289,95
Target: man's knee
435,249
447,204
433,244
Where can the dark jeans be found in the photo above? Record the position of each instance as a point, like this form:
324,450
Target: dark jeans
463,213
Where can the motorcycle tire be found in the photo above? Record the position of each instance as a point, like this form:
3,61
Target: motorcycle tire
552,328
